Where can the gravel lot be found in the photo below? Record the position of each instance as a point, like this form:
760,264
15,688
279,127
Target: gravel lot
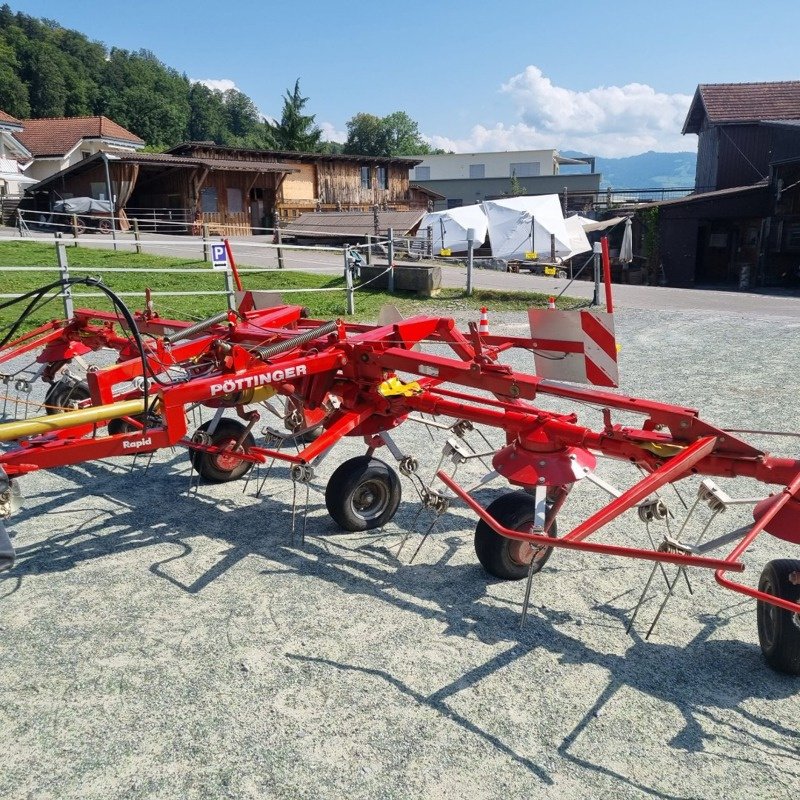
161,644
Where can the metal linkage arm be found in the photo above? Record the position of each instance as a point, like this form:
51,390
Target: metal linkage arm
591,547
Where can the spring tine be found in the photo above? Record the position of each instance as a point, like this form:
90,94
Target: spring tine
643,595
305,518
526,601
149,462
664,603
424,538
294,508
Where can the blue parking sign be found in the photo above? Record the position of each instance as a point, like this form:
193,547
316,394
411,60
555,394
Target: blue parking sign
219,256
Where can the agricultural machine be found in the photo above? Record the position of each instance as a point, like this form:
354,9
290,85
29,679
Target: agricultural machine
336,379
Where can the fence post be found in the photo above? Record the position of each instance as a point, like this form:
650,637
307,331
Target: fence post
552,248
279,237
390,251
369,250
63,269
136,235
205,242
430,241
75,229
598,251
229,288
348,278
470,258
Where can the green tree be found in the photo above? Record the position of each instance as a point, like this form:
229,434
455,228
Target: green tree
13,92
395,134
296,131
364,135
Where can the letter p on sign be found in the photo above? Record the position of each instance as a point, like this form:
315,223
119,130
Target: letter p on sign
219,256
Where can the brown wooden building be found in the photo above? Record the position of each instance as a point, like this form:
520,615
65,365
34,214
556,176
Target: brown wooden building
741,226
235,191
322,182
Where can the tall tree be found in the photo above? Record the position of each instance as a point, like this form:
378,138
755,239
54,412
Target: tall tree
296,131
395,134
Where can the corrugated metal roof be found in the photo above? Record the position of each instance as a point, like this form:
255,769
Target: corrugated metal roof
719,193
355,223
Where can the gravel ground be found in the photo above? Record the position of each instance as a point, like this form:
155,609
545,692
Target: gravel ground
161,644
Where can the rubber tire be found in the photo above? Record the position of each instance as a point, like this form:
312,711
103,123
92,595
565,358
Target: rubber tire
515,510
104,226
63,392
207,466
778,633
344,485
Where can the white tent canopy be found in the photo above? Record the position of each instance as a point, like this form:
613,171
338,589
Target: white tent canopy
578,240
449,228
518,225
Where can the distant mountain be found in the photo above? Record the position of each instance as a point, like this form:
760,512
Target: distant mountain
646,171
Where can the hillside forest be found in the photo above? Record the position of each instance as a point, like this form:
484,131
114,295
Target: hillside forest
49,71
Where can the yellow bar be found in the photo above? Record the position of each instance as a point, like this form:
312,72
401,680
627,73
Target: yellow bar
68,419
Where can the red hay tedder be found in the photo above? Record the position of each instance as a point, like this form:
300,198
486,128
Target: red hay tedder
339,379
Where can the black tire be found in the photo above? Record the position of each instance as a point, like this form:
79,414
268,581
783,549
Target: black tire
506,558
778,629
66,394
222,467
363,493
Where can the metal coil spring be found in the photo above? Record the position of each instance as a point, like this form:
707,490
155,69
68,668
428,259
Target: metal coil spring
204,324
267,351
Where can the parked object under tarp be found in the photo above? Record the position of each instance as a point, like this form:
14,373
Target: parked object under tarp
521,225
449,228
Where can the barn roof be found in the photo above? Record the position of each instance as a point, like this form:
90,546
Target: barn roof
742,102
290,155
56,136
353,223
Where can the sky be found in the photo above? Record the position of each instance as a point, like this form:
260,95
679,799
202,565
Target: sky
608,79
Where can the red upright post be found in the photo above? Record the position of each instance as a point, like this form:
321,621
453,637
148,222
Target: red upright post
233,265
607,274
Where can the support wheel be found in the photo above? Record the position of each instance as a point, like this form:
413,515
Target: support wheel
779,630
66,394
104,226
363,493
225,466
506,558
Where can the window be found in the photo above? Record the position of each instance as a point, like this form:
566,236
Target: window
477,170
525,169
422,173
455,203
366,177
208,200
382,177
85,154
234,201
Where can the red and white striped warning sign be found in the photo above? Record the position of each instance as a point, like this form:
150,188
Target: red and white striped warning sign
576,347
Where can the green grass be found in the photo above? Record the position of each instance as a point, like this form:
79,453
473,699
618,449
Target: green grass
326,305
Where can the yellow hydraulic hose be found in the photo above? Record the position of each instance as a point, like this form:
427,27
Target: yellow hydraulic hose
67,419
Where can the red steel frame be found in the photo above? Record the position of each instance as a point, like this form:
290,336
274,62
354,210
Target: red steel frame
352,363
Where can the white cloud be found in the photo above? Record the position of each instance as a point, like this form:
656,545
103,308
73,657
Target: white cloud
330,134
608,121
220,84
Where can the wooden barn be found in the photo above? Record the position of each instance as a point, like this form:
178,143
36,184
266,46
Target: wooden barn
234,191
323,182
173,193
741,226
